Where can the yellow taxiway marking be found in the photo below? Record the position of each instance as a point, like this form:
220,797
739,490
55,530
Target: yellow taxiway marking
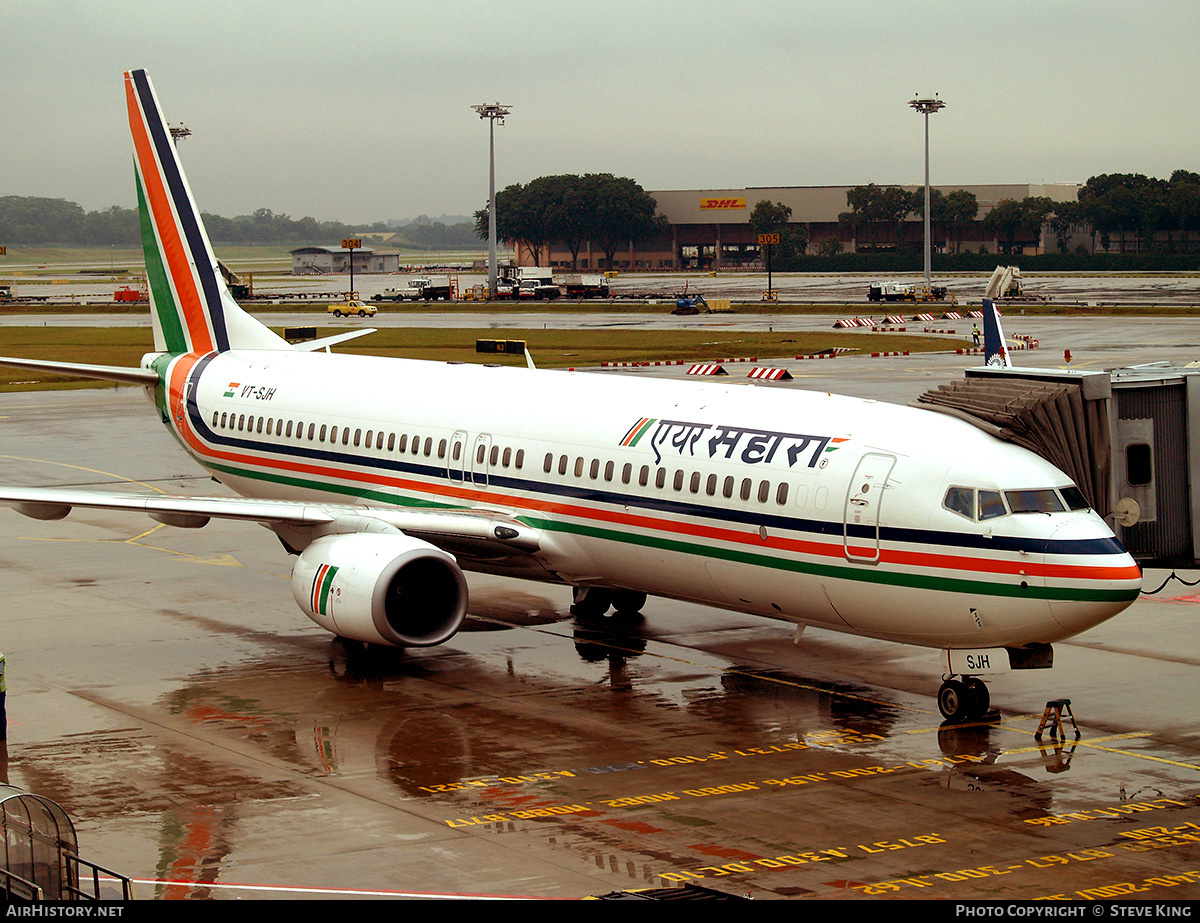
108,474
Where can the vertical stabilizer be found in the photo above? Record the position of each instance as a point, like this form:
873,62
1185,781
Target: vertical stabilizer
995,351
190,305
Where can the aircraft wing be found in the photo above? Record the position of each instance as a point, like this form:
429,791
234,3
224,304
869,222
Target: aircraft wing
479,529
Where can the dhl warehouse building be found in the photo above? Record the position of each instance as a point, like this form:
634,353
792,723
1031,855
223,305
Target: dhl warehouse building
710,228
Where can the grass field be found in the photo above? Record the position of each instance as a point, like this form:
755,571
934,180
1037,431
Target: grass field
125,346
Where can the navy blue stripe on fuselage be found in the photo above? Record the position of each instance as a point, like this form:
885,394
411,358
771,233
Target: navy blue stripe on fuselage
402,464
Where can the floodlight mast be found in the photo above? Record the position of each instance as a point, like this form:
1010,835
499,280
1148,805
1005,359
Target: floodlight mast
492,112
927,107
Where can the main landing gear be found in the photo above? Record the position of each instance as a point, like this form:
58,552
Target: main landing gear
594,602
963,698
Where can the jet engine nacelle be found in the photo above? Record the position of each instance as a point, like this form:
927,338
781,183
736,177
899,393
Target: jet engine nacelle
382,589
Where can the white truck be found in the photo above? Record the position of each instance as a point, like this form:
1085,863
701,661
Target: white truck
585,286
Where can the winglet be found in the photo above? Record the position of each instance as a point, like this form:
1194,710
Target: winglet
191,307
995,352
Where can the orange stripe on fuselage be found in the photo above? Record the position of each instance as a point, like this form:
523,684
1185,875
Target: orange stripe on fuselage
894,557
174,249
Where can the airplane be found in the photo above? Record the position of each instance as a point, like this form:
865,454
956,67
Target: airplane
388,478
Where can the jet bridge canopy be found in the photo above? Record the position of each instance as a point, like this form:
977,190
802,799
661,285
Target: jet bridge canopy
1129,438
1062,417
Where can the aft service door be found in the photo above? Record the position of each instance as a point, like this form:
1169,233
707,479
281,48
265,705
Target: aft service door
864,499
479,459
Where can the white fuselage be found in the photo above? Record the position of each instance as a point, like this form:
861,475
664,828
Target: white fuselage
807,507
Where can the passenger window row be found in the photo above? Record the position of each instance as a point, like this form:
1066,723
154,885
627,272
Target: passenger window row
403,444
680,481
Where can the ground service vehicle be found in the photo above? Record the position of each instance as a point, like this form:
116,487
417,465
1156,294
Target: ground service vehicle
352,308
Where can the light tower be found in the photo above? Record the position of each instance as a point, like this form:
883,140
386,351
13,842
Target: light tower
927,107
492,112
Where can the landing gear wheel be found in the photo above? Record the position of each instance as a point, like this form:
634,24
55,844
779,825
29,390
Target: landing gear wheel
589,602
979,699
964,700
952,700
628,602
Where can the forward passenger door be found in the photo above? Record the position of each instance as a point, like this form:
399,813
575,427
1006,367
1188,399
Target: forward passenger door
864,500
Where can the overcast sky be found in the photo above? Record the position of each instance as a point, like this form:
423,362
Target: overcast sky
360,111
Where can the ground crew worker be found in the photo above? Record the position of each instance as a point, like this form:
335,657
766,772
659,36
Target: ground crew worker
975,333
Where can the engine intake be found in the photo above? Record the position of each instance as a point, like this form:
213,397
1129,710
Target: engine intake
382,589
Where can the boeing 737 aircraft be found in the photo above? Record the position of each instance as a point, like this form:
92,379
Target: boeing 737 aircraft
388,478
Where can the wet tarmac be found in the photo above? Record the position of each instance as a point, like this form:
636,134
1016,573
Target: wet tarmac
210,742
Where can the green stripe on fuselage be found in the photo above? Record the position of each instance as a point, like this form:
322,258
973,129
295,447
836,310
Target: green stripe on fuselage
843,572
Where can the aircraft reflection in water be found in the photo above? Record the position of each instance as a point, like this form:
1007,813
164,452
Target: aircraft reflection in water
387,478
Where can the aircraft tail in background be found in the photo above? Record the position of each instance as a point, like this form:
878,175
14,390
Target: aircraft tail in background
995,351
191,307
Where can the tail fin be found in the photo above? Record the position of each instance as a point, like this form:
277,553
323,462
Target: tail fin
995,351
190,305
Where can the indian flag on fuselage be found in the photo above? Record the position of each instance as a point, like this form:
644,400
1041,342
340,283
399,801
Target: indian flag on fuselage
191,307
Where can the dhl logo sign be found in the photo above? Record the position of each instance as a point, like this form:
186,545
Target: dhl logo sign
715,204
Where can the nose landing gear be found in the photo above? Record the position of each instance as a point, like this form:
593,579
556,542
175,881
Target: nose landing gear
963,699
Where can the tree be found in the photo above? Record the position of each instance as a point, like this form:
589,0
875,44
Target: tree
775,217
830,246
962,208
1183,204
1127,203
769,217
877,207
520,218
1010,219
609,211
625,215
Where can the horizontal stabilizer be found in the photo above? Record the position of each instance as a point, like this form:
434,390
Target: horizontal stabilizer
326,342
117,373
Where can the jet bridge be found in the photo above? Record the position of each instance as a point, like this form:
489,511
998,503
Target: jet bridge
1129,438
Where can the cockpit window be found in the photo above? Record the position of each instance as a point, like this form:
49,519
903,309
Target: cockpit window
960,500
991,505
1074,498
1034,501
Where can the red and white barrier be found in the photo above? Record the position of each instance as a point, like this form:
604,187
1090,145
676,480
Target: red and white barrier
770,374
706,368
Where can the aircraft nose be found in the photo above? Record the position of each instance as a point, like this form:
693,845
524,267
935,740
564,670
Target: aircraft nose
1094,577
